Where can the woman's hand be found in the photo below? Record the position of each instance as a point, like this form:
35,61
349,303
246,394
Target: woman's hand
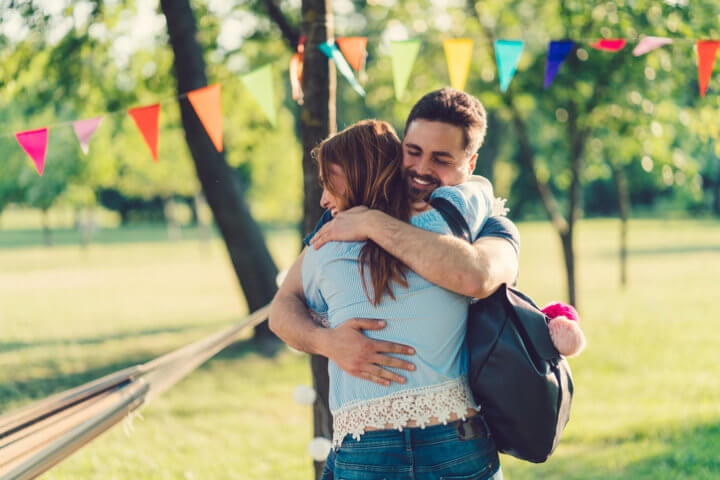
360,356
351,225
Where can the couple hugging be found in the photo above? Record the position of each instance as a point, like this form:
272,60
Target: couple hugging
385,274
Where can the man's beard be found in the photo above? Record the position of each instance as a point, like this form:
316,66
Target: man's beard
420,194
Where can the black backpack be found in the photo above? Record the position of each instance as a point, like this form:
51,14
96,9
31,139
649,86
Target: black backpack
523,385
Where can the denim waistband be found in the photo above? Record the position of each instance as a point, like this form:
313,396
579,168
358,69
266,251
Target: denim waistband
416,436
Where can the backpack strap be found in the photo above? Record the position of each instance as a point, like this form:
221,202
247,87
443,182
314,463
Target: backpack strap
452,216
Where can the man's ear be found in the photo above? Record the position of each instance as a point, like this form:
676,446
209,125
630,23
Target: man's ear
473,161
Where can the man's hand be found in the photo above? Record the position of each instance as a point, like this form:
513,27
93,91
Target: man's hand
347,226
363,357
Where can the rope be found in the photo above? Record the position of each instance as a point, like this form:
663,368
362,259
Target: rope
35,438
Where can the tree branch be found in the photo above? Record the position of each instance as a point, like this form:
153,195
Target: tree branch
291,34
526,151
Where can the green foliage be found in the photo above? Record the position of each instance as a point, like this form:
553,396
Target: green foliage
96,67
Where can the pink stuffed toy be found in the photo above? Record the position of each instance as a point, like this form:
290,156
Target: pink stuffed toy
565,331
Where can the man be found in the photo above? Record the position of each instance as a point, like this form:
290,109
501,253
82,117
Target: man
443,132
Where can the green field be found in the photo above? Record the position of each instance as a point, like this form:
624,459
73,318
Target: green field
647,399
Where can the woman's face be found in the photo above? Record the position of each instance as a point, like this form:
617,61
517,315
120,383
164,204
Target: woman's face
336,183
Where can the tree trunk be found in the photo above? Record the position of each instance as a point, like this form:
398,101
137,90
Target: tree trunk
623,196
317,121
250,257
566,239
716,203
47,232
170,211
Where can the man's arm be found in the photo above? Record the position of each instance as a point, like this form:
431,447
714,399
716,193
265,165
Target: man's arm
346,345
475,270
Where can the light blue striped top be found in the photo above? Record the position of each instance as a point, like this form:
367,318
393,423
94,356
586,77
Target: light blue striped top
423,315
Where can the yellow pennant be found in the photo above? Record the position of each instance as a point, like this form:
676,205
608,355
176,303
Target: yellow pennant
458,52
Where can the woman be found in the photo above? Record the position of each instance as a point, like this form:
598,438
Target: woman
428,427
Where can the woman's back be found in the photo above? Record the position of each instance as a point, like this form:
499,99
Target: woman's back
422,314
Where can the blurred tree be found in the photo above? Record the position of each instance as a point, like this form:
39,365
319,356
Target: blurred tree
223,190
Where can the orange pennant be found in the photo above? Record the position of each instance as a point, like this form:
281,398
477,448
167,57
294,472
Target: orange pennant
354,50
146,120
707,52
206,102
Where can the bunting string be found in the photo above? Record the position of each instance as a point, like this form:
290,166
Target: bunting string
349,55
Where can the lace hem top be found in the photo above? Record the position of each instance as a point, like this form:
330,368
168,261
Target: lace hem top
400,408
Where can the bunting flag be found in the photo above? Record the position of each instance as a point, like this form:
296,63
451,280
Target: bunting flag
557,52
458,52
84,129
354,49
259,83
610,45
707,53
296,72
333,52
403,57
206,102
508,55
648,44
146,120
34,143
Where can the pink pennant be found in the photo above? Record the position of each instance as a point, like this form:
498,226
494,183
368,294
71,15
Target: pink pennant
34,142
610,45
648,44
84,129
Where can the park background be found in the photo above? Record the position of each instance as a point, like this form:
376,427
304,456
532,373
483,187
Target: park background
110,259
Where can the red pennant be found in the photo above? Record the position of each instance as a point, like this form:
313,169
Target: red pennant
610,45
34,142
707,53
296,72
206,102
353,49
146,120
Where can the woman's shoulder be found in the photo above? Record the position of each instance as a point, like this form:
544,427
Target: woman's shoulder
476,189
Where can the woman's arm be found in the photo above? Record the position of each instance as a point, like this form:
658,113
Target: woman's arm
347,345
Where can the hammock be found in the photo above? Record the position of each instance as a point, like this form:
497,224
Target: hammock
35,438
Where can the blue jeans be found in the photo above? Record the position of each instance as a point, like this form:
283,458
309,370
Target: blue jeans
438,452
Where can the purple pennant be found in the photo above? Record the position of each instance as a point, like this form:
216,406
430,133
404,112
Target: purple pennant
556,56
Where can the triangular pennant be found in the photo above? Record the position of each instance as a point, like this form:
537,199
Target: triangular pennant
146,120
648,44
206,102
34,142
332,51
84,129
508,55
557,52
707,53
259,83
458,52
403,57
610,45
296,71
354,49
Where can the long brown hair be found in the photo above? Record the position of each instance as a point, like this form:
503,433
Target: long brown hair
370,155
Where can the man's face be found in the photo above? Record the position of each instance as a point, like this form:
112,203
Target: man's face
434,155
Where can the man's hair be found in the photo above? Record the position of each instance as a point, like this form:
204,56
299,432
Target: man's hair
457,108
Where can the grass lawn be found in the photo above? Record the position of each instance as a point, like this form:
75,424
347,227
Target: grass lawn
647,402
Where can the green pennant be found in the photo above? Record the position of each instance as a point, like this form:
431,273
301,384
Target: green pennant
403,58
259,83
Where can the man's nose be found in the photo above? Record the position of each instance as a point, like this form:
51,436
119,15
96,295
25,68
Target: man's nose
423,166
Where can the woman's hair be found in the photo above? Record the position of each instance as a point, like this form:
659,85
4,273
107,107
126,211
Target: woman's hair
369,153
